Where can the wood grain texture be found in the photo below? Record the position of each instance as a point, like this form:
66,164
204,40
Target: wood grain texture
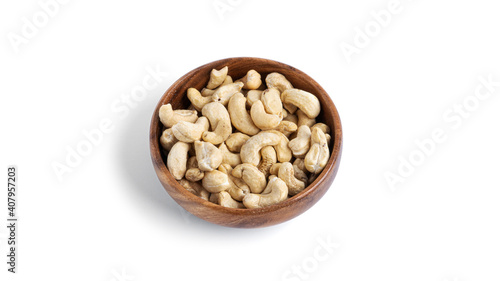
247,218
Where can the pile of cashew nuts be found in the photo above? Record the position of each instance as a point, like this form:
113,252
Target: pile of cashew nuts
252,147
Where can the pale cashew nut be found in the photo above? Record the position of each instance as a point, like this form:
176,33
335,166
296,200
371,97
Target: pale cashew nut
195,188
299,164
209,157
215,181
301,144
287,174
190,132
254,178
193,173
292,118
262,119
303,119
275,169
271,99
322,126
253,96
238,188
177,159
283,152
305,101
224,199
239,115
224,93
228,80
197,99
286,128
207,93
235,141
170,117
278,193
167,139
250,151
252,80
318,154
217,77
220,122
268,159
228,157
278,80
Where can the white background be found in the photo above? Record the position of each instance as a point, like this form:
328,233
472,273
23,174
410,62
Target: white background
110,219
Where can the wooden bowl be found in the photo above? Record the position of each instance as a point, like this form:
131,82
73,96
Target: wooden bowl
247,218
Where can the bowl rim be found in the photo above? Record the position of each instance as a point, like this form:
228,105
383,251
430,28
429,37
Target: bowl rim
331,166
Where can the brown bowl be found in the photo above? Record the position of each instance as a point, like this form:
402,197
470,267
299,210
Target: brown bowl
247,218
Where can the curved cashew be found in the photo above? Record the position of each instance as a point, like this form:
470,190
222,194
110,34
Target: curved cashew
286,128
253,96
220,122
275,169
306,101
303,119
283,152
278,80
177,159
322,126
228,80
193,173
224,93
190,132
268,159
262,119
239,115
209,157
238,188
195,188
250,151
167,139
278,193
224,199
301,144
235,141
207,93
197,99
228,157
317,157
215,181
254,178
271,99
217,77
299,164
170,117
287,174
292,118
251,80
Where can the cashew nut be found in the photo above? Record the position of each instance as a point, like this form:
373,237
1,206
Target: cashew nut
239,116
254,178
220,123
170,117
215,181
224,93
197,99
238,188
252,80
167,139
193,173
209,157
318,154
190,132
195,188
303,119
217,77
278,193
272,101
268,159
275,169
299,164
250,151
283,152
228,157
278,80
228,80
286,128
235,141
177,159
224,199
207,93
305,101
253,96
322,126
292,118
301,144
287,174
262,119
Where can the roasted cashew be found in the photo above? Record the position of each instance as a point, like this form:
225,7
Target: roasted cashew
283,152
177,159
254,178
253,96
220,123
238,188
287,174
170,117
262,119
195,188
301,144
167,139
228,157
286,128
190,132
209,157
271,99
303,119
268,159
224,93
193,173
239,115
252,80
197,99
250,151
235,141
217,77
305,101
278,193
215,181
318,154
